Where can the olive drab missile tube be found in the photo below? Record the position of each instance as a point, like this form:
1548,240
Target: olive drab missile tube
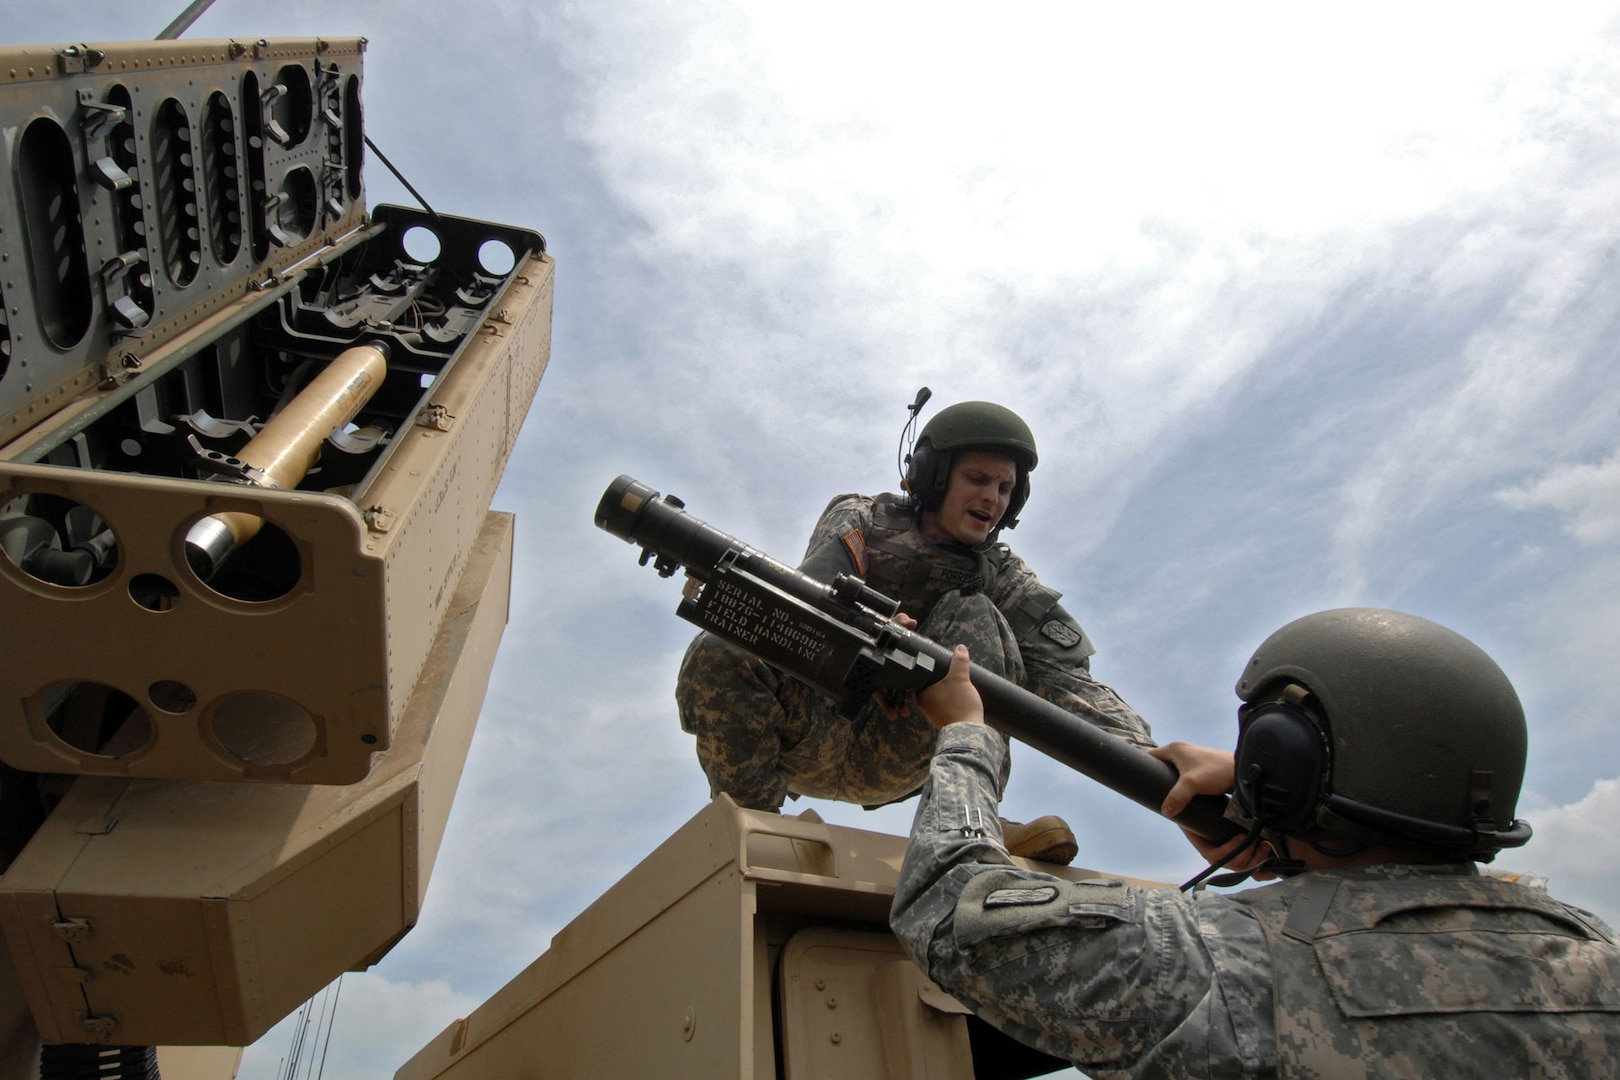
249,435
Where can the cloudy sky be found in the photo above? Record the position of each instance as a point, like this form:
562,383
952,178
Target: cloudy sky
1307,307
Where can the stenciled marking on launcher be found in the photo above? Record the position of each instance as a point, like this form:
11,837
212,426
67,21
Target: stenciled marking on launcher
733,611
745,616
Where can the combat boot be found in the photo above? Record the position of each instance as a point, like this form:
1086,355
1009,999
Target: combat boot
1048,839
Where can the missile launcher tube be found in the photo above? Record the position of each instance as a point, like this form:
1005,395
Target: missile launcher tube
637,514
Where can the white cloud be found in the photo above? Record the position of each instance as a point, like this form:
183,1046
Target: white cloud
1577,849
378,1024
1175,192
1587,495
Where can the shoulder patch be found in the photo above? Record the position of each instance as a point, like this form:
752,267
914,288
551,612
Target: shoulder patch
855,544
1043,894
1061,632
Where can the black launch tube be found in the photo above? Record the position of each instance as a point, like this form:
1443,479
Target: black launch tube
635,513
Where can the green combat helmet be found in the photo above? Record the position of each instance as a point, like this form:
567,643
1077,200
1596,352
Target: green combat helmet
1363,726
969,425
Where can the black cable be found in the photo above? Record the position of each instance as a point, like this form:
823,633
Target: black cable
908,435
432,213
1247,842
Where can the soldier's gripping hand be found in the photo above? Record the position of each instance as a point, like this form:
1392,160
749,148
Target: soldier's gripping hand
953,700
1203,770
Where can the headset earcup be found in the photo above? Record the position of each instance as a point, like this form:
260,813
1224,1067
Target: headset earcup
928,474
1281,765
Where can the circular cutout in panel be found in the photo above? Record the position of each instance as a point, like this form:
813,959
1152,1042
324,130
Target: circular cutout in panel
262,728
96,719
421,243
496,257
171,696
154,592
292,110
57,541
264,565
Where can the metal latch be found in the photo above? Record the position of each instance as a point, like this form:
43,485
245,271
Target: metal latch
379,517
116,373
435,415
99,1028
77,59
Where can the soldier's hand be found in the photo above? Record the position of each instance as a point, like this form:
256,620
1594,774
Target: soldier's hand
898,703
953,700
1206,771
1203,771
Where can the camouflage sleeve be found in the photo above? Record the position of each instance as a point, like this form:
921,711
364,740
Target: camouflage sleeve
1055,672
830,551
1057,653
1108,975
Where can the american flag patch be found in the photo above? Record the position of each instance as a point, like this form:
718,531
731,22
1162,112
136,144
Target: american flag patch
855,544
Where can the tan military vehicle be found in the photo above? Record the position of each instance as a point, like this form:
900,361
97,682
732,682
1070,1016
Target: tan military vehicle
748,946
249,434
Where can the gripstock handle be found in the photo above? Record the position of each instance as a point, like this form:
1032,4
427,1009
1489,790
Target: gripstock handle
636,513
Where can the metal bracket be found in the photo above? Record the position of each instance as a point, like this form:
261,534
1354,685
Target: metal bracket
123,262
379,518
209,427
115,373
130,314
99,114
231,468
77,59
435,415
100,825
105,171
99,1028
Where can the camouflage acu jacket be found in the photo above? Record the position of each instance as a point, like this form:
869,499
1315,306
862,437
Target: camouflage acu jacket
1382,972
879,540
1437,971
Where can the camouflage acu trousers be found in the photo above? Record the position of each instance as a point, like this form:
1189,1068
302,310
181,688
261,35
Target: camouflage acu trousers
762,734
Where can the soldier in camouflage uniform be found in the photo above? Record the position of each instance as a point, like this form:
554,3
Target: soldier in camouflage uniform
762,735
1382,756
